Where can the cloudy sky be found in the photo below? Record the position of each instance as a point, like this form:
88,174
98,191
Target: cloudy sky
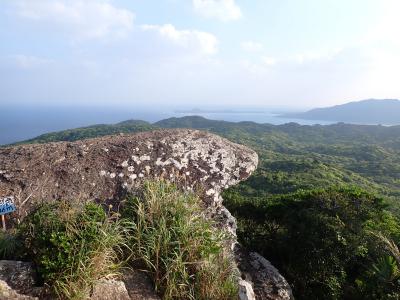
299,53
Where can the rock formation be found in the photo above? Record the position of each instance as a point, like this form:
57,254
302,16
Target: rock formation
105,169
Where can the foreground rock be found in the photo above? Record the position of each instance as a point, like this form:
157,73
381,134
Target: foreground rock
18,280
20,276
7,293
106,169
110,290
267,282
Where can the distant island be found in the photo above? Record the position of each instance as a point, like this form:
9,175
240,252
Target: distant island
216,111
371,111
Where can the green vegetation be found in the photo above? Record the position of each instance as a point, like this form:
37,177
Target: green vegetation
10,245
72,246
324,241
162,230
181,249
92,131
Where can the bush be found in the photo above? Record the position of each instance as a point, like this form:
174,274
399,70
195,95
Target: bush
10,246
321,241
72,246
182,251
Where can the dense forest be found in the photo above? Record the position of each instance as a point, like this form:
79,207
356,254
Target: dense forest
323,205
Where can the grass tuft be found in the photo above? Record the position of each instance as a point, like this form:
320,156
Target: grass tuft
182,250
72,246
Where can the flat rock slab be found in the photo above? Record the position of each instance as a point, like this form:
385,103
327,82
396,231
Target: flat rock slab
107,167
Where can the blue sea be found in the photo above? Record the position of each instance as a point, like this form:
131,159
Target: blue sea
21,123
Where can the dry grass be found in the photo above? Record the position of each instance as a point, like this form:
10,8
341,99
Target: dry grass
178,246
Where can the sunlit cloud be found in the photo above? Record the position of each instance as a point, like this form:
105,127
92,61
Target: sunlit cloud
223,10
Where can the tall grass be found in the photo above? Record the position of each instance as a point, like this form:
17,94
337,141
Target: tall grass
182,250
72,246
10,245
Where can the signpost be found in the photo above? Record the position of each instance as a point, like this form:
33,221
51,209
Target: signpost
6,206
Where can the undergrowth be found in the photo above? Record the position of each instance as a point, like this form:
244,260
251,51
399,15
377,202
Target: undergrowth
72,246
162,231
181,249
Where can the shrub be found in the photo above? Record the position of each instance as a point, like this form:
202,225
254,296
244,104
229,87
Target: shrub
72,246
179,247
10,246
321,241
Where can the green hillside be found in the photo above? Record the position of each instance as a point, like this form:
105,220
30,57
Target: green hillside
71,135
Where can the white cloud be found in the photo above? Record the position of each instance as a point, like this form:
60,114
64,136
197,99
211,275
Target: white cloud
251,46
312,56
223,10
197,41
87,19
387,27
29,61
269,61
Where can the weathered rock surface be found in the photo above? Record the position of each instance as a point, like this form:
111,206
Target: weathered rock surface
105,169
246,291
19,276
268,283
109,290
7,293
139,286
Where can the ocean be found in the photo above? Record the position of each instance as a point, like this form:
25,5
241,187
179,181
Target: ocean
21,123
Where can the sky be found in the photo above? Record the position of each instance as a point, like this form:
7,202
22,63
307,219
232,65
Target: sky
198,53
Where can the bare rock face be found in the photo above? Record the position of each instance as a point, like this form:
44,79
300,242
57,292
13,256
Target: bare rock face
106,169
19,275
110,290
17,280
139,286
267,282
246,291
7,293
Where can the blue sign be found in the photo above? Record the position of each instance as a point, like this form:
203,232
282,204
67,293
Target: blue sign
7,205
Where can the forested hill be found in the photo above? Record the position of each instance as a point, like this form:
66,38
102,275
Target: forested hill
292,156
369,111
71,135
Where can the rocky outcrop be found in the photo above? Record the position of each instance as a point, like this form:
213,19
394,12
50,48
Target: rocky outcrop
110,290
106,169
18,280
267,282
7,293
20,276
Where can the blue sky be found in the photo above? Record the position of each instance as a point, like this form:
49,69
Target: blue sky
297,53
